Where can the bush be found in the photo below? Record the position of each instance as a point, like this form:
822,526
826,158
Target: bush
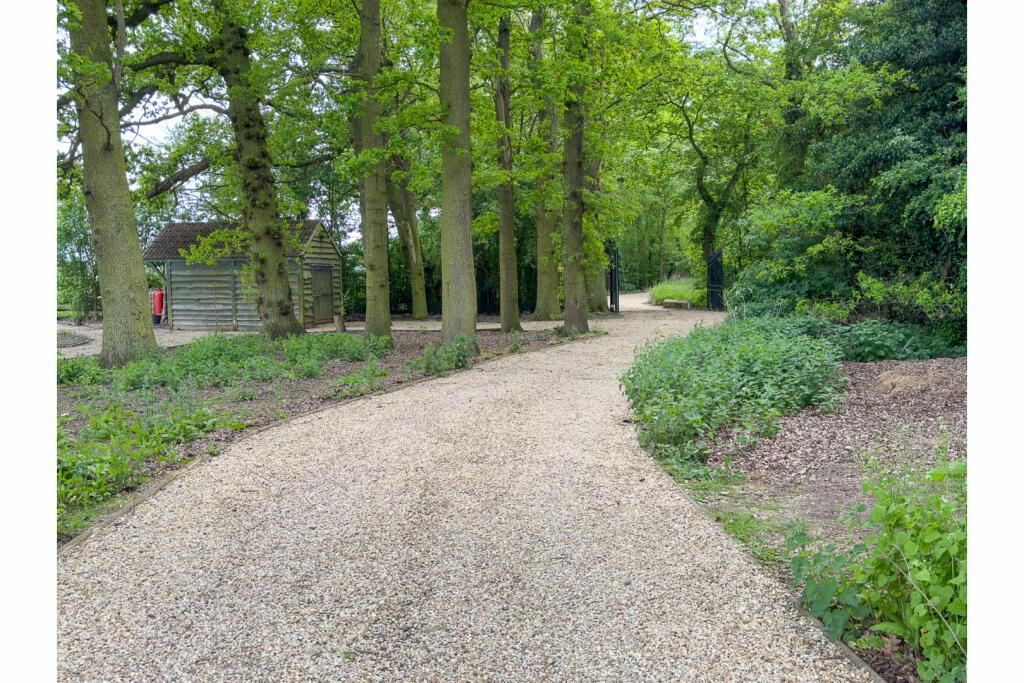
908,579
874,340
439,360
678,289
743,374
81,371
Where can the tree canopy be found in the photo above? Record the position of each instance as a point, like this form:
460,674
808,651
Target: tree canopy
506,148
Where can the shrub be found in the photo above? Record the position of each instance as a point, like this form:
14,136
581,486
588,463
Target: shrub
743,374
873,340
81,371
678,289
908,579
439,360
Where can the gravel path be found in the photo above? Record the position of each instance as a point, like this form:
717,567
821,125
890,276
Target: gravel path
497,524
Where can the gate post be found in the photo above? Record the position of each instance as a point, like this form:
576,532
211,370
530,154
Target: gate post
716,282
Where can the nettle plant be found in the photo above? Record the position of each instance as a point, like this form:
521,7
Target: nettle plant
908,579
740,376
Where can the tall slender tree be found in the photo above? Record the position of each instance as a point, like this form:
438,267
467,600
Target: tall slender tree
572,173
373,186
127,331
507,261
458,276
402,201
546,306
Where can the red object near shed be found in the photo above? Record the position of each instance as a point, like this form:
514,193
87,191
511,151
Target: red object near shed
158,305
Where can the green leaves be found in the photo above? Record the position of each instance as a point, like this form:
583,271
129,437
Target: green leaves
742,375
909,579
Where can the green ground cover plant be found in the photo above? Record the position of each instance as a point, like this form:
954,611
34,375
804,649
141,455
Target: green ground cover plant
110,453
219,360
437,360
742,375
908,579
368,379
684,289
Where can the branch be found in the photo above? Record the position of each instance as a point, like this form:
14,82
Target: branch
174,59
137,97
65,99
732,67
176,114
178,178
145,10
689,130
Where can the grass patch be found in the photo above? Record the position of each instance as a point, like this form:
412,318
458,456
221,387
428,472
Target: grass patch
759,535
679,288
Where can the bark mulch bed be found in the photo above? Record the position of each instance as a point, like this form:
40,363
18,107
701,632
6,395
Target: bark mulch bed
898,412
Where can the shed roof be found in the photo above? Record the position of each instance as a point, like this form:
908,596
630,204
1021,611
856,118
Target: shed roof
174,237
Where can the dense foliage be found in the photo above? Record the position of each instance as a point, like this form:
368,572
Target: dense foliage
742,375
819,144
908,578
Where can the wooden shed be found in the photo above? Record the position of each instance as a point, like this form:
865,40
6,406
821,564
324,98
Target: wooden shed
201,297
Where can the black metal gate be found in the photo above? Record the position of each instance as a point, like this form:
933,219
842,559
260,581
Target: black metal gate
716,282
613,275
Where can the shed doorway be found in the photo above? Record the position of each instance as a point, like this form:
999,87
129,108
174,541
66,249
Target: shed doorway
323,294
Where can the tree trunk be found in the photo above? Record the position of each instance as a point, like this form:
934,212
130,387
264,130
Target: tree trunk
274,293
403,208
708,218
127,327
661,246
373,186
507,261
458,275
546,306
572,174
597,289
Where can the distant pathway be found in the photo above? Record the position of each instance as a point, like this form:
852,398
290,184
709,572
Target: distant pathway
498,524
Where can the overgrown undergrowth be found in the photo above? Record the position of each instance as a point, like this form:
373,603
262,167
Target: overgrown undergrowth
903,586
742,375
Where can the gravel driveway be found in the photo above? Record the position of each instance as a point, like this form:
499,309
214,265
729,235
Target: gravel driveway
497,524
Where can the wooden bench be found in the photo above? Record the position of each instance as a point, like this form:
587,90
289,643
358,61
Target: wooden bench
676,303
